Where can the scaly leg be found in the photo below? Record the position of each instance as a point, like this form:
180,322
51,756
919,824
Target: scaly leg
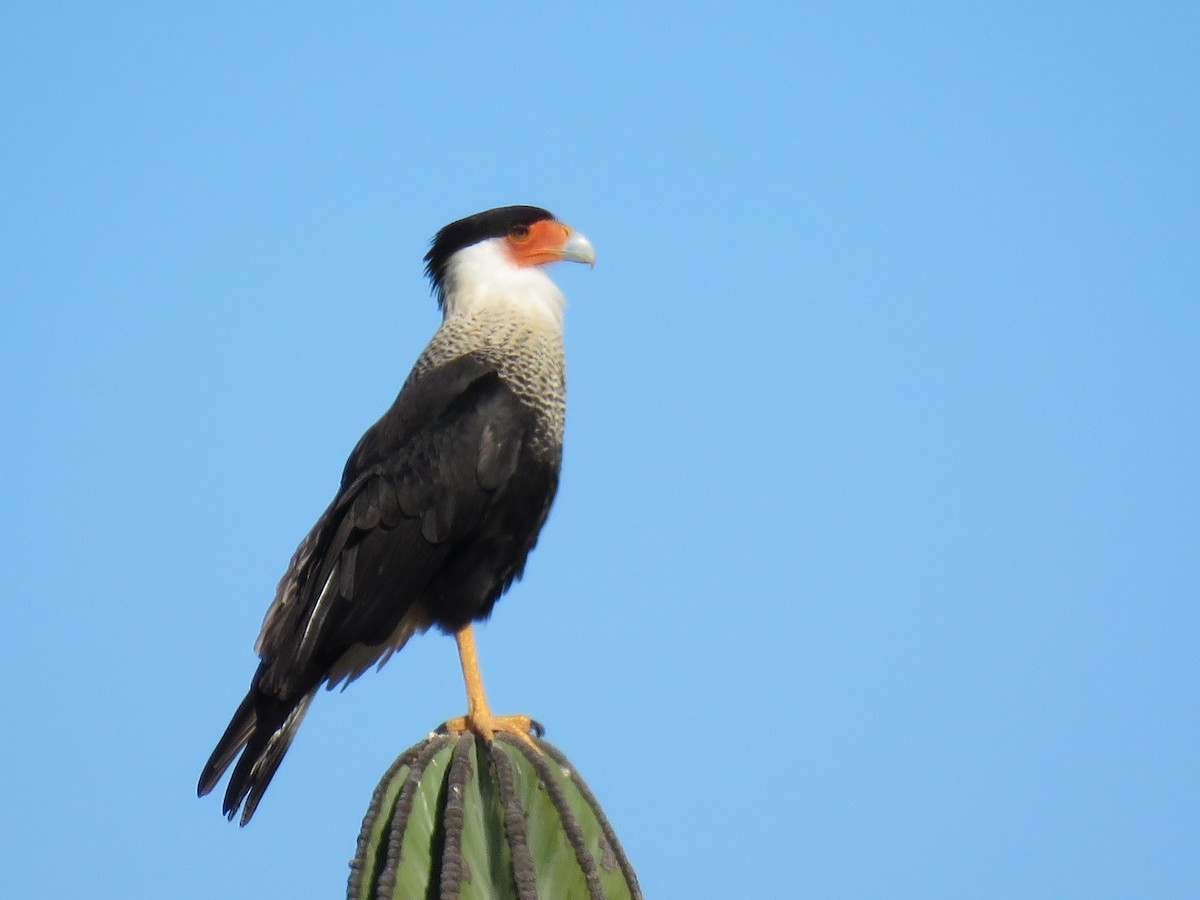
479,718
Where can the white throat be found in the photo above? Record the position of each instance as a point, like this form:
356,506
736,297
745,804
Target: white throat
483,278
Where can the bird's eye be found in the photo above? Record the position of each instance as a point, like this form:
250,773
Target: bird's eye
519,232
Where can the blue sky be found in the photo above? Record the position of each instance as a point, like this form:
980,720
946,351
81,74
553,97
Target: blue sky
874,568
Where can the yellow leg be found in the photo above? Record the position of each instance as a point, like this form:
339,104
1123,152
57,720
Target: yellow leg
479,718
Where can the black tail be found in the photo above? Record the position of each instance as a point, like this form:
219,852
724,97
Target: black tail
261,730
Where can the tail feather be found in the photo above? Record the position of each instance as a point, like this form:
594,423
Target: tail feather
241,727
261,730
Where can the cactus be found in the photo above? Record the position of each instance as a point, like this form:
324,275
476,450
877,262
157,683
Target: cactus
459,817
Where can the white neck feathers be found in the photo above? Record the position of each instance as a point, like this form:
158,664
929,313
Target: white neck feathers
484,279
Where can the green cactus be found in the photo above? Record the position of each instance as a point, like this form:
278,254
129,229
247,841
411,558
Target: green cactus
459,817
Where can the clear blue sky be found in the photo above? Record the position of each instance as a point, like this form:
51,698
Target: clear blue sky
874,571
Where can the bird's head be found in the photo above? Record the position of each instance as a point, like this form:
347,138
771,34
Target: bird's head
500,252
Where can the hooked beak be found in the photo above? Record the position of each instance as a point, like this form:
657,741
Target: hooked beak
577,248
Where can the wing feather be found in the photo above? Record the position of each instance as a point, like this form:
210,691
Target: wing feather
439,505
419,485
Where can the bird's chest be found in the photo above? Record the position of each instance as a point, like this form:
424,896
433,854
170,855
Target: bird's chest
528,355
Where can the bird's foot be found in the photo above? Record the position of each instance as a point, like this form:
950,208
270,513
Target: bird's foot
487,726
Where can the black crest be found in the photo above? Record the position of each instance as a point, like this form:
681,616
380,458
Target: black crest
471,230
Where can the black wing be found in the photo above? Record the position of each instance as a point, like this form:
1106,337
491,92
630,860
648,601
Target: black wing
439,505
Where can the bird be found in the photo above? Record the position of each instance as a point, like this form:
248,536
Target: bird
440,501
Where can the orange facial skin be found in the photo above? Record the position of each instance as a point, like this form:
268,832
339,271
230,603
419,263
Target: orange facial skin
539,243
